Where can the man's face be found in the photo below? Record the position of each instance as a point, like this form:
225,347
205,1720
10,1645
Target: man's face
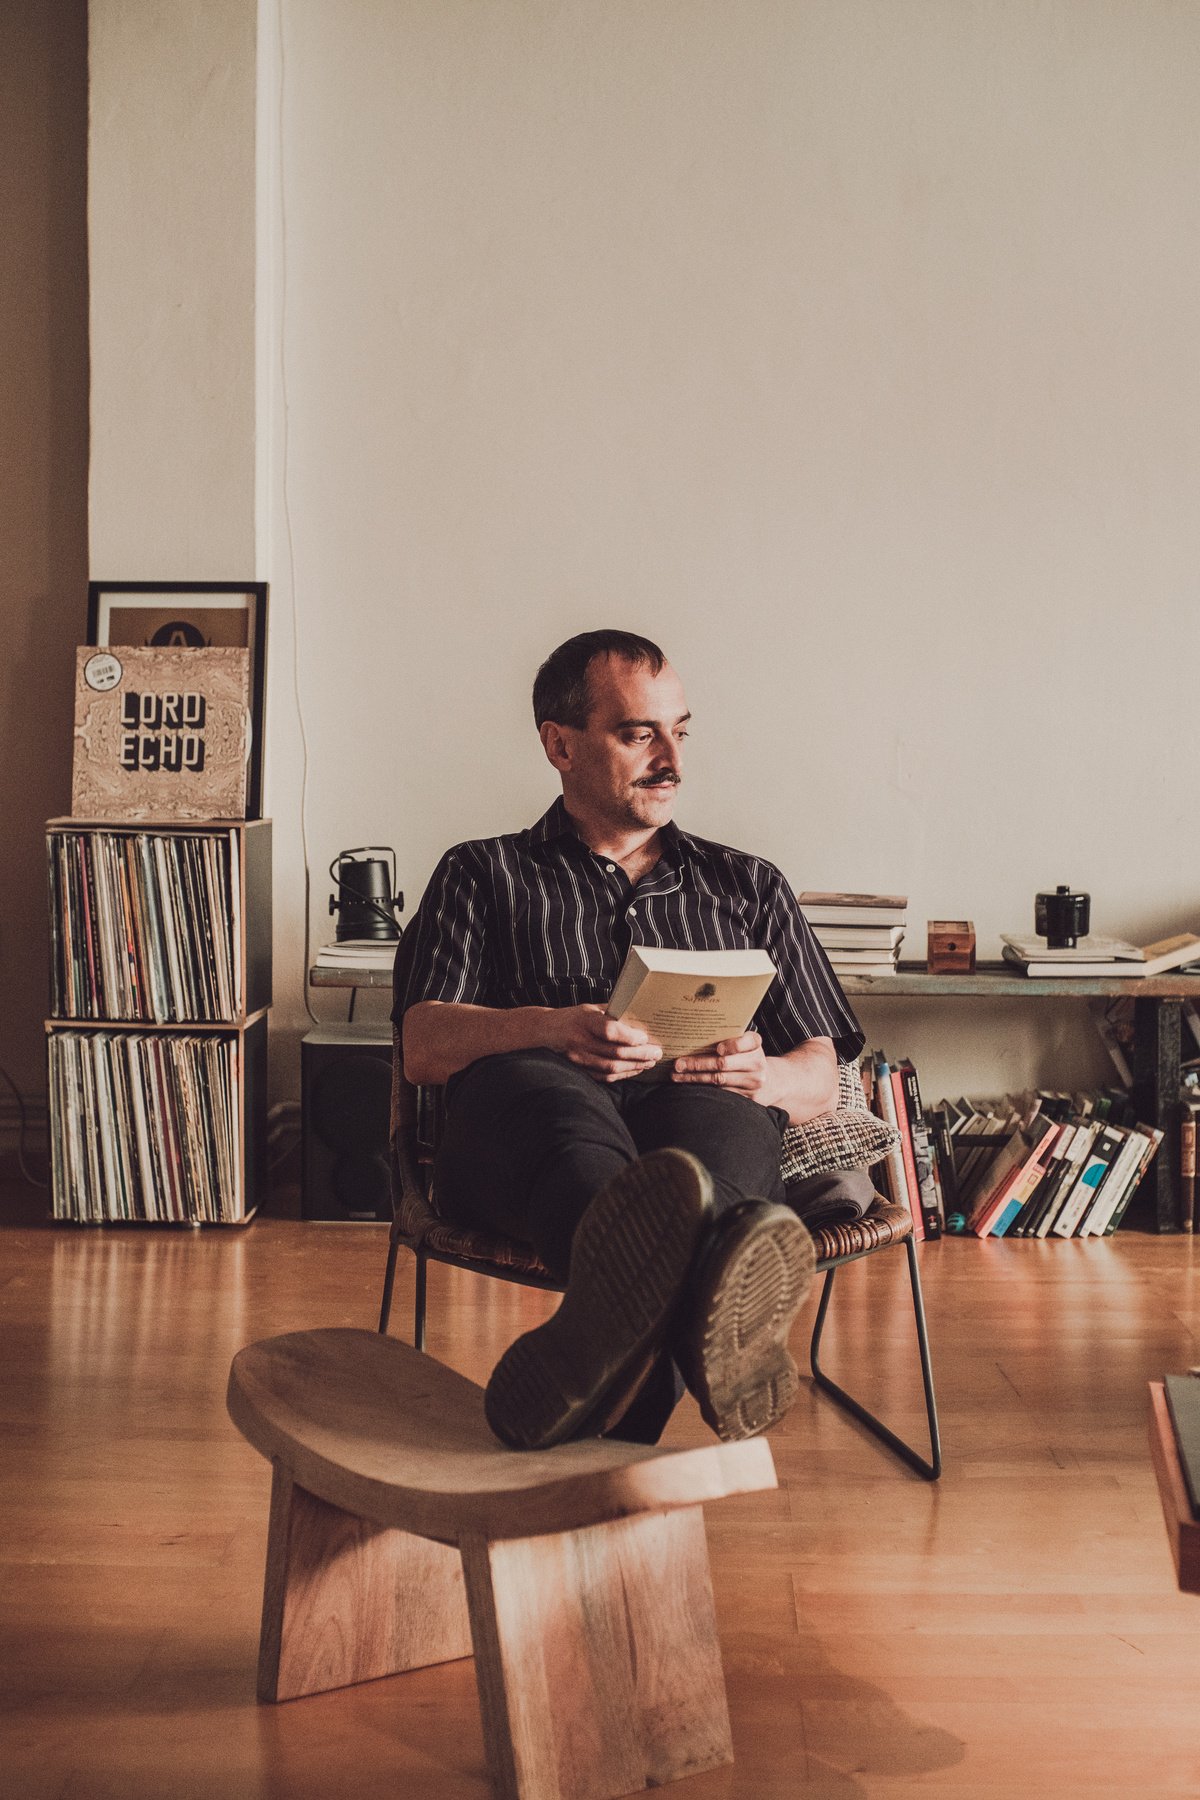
624,768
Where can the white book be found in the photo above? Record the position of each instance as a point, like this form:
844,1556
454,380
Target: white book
1157,959
1087,949
1116,1181
859,937
357,955
856,958
1084,1138
688,1000
1095,1169
1074,971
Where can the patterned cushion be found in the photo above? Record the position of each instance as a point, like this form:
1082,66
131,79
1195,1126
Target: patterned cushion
850,1137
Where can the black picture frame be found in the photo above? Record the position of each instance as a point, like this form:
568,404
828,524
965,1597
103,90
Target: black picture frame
111,602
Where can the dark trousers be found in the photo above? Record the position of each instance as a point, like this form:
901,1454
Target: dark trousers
529,1139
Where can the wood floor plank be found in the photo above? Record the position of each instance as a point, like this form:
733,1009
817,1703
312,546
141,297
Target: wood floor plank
1010,1633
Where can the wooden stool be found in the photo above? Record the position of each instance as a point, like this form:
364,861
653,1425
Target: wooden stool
403,1533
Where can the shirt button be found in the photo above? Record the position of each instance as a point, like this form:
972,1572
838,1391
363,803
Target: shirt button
611,867
633,912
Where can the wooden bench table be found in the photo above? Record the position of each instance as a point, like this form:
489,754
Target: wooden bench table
1183,1531
402,1533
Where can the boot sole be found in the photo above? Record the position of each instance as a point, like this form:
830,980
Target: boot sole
737,1361
630,1258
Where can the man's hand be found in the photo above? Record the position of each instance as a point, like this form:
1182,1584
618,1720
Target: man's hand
604,1047
739,1063
803,1082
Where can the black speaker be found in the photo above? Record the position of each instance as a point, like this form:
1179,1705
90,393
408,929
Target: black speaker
345,1089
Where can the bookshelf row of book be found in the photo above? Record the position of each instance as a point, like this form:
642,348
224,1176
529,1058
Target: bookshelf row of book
146,1127
1038,1165
144,925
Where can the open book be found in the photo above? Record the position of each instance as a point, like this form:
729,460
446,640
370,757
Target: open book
689,1000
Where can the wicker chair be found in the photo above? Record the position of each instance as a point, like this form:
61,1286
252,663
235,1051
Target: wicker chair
416,1225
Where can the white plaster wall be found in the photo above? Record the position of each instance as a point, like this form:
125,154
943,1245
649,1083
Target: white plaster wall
847,349
172,211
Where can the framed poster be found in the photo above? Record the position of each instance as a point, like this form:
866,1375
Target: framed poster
191,615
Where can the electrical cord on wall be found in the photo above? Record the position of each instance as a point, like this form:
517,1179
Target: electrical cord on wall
23,1116
287,519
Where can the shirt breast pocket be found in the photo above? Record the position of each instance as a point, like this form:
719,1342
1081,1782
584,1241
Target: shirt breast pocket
729,924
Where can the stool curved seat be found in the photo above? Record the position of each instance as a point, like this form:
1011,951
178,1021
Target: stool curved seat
403,1534
373,1426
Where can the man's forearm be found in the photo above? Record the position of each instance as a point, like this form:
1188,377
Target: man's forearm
440,1037
806,1080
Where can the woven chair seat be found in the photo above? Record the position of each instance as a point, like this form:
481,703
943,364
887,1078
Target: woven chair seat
420,1225
882,1223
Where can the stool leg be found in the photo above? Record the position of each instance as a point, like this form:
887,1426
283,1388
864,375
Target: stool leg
346,1601
597,1658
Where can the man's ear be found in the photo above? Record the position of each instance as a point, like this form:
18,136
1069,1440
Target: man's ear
556,745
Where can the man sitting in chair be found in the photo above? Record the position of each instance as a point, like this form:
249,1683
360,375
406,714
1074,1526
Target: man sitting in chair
658,1200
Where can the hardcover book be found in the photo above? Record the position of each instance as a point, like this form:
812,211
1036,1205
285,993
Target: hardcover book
853,909
160,734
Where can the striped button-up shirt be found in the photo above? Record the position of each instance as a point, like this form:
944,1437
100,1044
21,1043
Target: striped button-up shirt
538,919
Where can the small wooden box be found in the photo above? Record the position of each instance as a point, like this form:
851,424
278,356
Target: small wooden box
951,947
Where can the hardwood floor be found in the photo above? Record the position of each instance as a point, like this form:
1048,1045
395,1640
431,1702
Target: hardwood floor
1012,1632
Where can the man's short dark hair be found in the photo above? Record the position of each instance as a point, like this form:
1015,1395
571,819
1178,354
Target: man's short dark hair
561,691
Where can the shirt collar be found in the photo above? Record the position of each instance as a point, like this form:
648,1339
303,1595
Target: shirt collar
555,824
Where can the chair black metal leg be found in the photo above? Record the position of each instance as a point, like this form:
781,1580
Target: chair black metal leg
389,1277
930,1470
419,1304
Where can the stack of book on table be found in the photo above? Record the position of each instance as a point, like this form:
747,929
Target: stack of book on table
1043,1165
1102,958
860,933
358,954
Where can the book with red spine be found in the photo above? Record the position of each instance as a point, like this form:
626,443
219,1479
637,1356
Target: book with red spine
1006,1171
906,1150
885,1103
1011,1204
922,1151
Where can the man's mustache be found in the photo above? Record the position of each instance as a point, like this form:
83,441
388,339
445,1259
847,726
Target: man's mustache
657,780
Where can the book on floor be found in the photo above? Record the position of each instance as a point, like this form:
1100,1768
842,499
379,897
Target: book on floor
689,1000
923,1152
884,1102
